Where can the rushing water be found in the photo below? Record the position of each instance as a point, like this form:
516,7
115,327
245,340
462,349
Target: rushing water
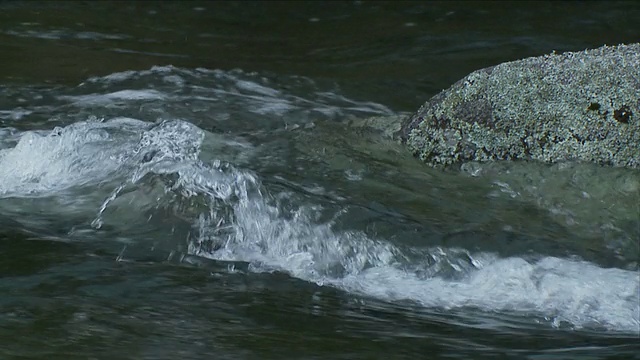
184,181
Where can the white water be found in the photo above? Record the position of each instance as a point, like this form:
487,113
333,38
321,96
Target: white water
564,291
242,221
46,162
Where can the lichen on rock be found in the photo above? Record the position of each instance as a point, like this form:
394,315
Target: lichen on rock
578,106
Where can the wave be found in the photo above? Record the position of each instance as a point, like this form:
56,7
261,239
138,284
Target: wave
565,292
125,171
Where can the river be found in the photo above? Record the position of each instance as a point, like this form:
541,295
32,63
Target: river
183,180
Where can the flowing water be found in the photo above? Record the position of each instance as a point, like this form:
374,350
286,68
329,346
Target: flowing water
184,181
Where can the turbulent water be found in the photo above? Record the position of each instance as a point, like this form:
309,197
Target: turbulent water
190,212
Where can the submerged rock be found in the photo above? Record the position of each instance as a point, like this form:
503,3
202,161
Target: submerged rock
579,106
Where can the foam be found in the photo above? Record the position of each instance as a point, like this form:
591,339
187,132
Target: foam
565,292
44,161
577,293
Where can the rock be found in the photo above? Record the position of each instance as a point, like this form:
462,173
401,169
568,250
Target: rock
578,106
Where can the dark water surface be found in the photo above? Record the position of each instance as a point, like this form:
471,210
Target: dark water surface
179,180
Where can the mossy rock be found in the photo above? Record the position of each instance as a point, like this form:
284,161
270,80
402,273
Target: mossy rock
576,106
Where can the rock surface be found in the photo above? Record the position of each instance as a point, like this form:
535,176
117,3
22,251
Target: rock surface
579,106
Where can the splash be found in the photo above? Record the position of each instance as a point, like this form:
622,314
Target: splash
565,292
139,169
233,217
245,223
47,162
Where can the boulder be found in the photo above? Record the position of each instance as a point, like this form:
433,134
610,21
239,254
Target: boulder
575,106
